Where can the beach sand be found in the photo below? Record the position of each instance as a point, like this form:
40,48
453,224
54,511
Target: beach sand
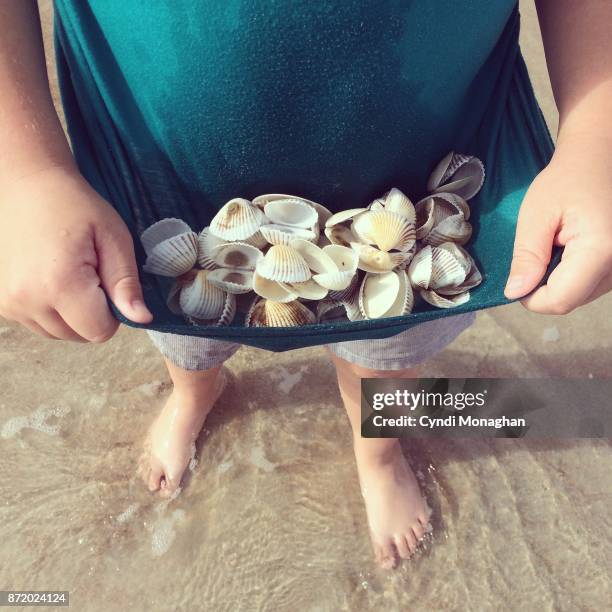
271,517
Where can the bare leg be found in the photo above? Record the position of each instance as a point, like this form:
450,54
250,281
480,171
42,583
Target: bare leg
398,515
170,442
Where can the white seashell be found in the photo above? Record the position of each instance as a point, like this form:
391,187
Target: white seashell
225,318
284,264
405,297
173,256
352,310
284,234
345,261
421,267
443,218
257,240
323,212
396,201
334,281
201,299
436,268
238,219
375,261
387,230
267,313
339,234
433,298
316,259
306,290
231,280
342,295
457,173
207,243
237,255
343,216
378,293
161,231
328,310
272,290
294,212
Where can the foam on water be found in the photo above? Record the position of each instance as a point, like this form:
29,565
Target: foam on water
163,531
224,466
150,388
37,421
551,334
127,514
285,379
258,459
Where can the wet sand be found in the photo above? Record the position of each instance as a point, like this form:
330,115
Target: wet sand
271,517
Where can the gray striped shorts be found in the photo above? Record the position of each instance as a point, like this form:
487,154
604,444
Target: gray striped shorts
405,350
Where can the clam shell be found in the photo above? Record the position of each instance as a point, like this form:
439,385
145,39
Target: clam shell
225,318
334,281
294,212
207,243
375,261
238,219
351,307
378,293
421,267
387,230
284,234
404,300
339,234
457,173
453,229
307,290
436,268
316,259
442,218
347,293
173,256
433,298
231,280
345,261
396,201
161,231
328,310
201,299
323,212
343,216
266,313
238,255
273,290
284,264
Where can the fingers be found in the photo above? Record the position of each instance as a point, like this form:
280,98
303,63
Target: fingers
35,327
119,274
577,279
535,233
52,322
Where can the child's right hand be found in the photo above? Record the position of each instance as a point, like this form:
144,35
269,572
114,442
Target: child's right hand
61,247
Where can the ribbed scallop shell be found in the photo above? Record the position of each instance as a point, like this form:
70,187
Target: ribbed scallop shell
348,292
345,261
266,313
173,256
207,243
398,202
201,299
443,218
284,264
307,290
238,219
273,290
161,231
238,255
344,215
387,230
293,212
375,261
323,212
316,259
436,268
339,234
378,293
284,234
329,310
457,173
225,318
404,300
231,280
440,301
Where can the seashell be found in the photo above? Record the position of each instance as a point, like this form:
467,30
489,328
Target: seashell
231,280
374,261
257,240
207,243
459,174
435,299
387,230
238,219
443,218
328,310
436,268
272,290
397,202
201,299
283,234
343,216
238,255
404,300
378,293
267,313
284,264
161,231
352,310
339,234
349,292
293,212
225,318
316,259
173,256
323,212
307,290
345,262
377,204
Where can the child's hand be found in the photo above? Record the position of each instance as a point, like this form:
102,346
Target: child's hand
60,244
568,204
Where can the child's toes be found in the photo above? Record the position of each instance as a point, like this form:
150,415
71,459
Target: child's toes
385,554
169,485
155,475
419,530
411,540
402,547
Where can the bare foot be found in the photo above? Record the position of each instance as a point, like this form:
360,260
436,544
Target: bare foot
170,443
398,516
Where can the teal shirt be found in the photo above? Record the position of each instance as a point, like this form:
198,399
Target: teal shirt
174,107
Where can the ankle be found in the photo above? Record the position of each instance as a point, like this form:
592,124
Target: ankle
377,452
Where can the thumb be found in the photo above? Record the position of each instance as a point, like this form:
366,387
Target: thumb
535,233
118,272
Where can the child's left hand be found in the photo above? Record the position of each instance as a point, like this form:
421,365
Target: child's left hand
568,204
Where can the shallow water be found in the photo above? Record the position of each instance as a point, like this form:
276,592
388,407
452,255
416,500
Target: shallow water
271,517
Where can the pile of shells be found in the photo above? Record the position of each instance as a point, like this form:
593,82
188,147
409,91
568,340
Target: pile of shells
307,265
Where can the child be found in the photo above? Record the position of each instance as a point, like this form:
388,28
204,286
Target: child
175,107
